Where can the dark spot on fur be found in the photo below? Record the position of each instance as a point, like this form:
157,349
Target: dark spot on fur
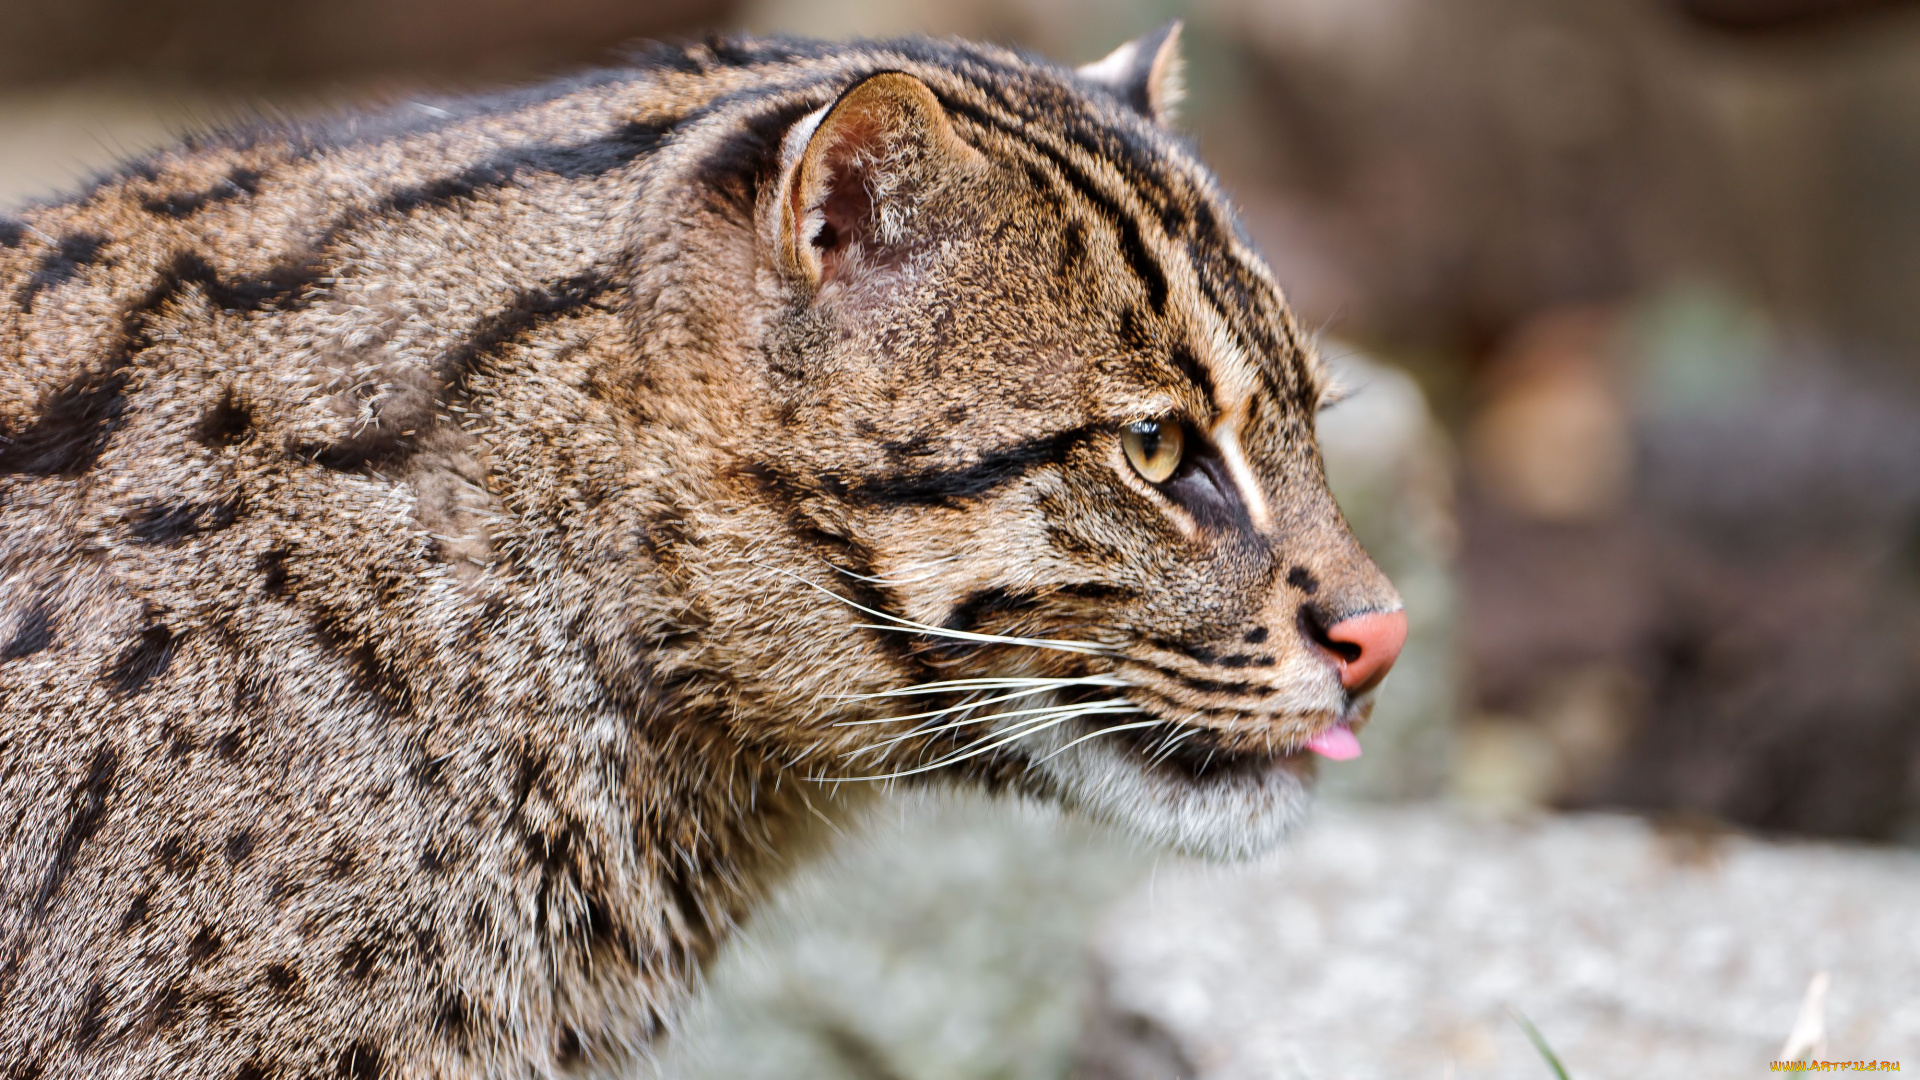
1209,686
283,886
225,423
686,902
1299,578
1242,660
361,1061
359,958
168,1007
178,854
239,846
137,911
91,1022
24,1069
232,745
281,980
165,523
340,861
568,1049
452,1018
273,571
12,232
254,1070
33,633
479,922
426,942
89,809
72,427
383,683
429,772
187,203
1255,636
179,740
432,859
1133,333
62,264
146,661
206,944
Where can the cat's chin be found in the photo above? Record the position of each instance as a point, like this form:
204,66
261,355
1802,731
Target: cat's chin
1237,808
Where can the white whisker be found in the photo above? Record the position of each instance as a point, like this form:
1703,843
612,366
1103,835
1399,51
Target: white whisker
928,575
972,703
1095,735
1026,728
1086,647
924,731
984,683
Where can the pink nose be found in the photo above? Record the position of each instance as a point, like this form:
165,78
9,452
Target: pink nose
1366,646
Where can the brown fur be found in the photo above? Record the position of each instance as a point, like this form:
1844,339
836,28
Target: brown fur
429,543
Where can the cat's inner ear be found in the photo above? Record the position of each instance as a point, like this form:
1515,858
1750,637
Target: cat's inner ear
854,175
1144,74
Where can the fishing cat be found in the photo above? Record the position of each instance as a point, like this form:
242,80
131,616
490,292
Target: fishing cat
449,556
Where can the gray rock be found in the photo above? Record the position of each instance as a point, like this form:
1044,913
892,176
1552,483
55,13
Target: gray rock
1393,943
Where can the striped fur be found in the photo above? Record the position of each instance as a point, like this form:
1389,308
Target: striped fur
448,557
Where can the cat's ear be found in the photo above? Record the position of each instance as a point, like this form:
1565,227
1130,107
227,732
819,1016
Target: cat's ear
1144,74
853,173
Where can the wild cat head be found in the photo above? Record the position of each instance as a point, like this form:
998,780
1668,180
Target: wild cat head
1035,431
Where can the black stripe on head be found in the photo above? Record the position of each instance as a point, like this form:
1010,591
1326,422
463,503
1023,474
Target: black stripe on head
617,149
76,421
979,605
1196,373
62,264
857,575
525,311
983,603
1132,246
188,203
992,470
281,287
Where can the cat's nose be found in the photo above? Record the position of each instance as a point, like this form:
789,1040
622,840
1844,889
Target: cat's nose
1365,646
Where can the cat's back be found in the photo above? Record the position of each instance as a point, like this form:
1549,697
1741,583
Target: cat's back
242,634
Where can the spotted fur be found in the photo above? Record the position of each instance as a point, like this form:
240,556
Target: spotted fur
448,557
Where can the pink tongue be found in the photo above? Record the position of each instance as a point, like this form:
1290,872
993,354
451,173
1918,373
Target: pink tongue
1338,743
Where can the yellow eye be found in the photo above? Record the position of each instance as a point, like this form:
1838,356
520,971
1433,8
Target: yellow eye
1154,447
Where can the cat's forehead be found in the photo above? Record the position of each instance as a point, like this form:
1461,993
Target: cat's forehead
1148,252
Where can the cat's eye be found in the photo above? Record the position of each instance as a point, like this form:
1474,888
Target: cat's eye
1154,448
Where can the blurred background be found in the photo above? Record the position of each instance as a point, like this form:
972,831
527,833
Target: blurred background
1629,292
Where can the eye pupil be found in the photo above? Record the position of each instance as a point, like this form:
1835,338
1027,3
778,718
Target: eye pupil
1153,448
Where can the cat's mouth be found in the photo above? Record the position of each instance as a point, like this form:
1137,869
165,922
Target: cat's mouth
1199,752
1199,743
1222,786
